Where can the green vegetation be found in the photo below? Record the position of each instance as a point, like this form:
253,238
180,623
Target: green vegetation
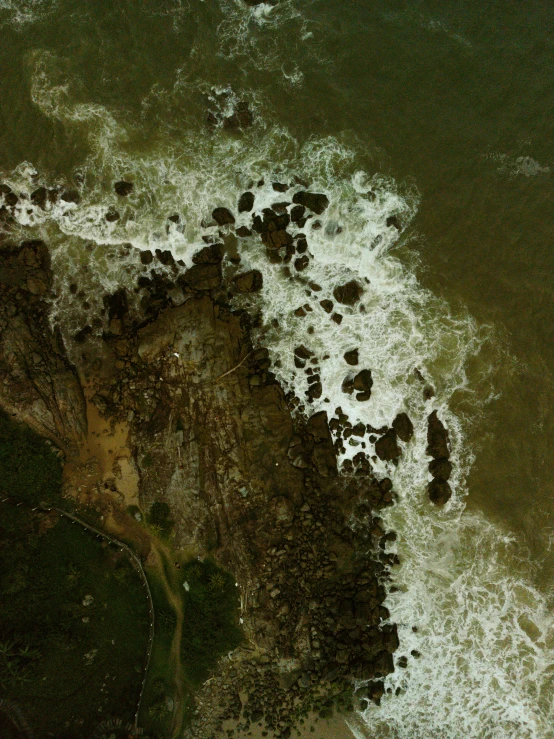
161,680
30,471
159,518
73,613
210,627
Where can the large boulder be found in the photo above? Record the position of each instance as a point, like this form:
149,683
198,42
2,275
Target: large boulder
349,293
249,282
439,491
437,438
314,201
403,427
386,448
351,357
223,216
212,254
246,202
203,276
441,468
123,188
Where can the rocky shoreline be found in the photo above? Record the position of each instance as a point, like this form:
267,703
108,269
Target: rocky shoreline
250,478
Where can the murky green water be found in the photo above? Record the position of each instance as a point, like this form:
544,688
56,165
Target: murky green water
454,101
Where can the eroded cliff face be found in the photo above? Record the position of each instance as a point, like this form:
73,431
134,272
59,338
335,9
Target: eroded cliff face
174,404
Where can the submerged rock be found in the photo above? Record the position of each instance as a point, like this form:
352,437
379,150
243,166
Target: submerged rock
71,196
241,117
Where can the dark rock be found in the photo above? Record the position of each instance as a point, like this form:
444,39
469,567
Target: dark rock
316,202
403,427
117,304
246,202
175,218
222,216
204,276
112,215
302,353
212,254
327,305
279,186
165,257
394,221
277,239
82,335
39,197
441,468
297,213
402,662
123,188
11,199
71,196
363,382
146,257
349,293
351,357
437,438
386,448
249,282
301,263
314,391
243,232
337,318
241,118
439,491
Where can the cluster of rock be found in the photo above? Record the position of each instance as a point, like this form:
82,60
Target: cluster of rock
438,447
249,476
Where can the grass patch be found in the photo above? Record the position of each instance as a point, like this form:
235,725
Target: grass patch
210,627
30,470
160,688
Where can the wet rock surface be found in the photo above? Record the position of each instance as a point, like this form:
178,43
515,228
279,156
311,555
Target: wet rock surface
438,447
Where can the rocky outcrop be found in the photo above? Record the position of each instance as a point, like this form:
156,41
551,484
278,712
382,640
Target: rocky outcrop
39,385
438,447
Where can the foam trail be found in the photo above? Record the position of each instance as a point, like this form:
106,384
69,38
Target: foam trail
486,637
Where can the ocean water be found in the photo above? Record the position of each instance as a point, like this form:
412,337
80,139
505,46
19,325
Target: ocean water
439,116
